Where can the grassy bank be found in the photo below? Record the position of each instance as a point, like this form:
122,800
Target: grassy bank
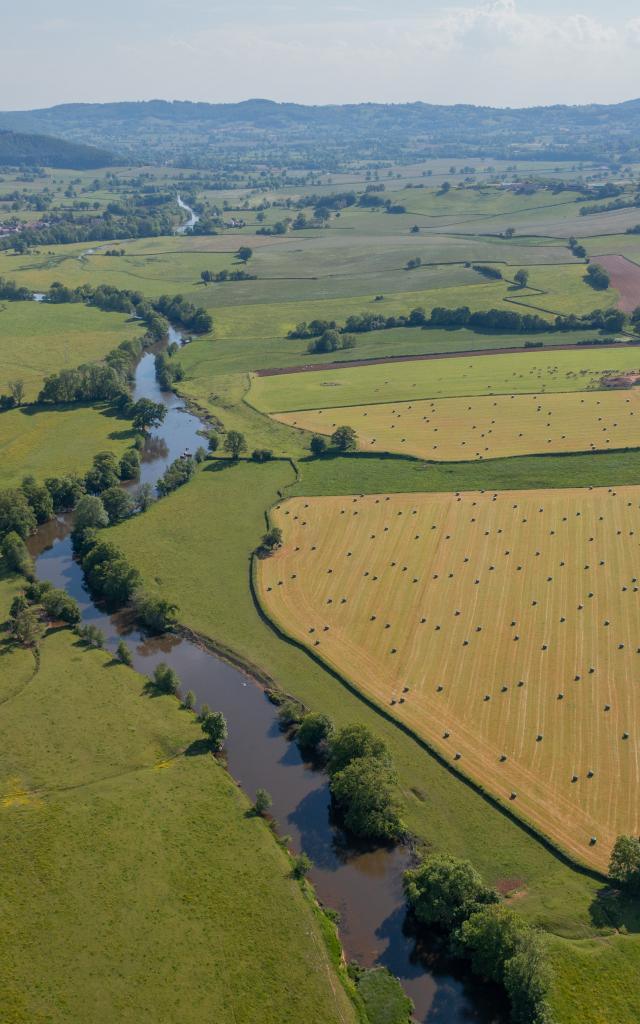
130,859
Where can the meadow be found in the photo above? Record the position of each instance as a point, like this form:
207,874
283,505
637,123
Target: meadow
123,838
37,339
533,371
499,627
47,442
486,427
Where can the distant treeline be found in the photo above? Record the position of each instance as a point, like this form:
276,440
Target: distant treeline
489,320
18,149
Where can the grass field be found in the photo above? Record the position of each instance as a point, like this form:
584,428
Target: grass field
37,339
135,868
53,442
491,621
486,428
527,372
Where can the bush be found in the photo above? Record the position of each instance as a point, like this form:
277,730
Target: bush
176,475
290,714
130,465
344,439
263,802
262,454
60,605
271,540
445,891
165,679
90,636
189,700
123,654
213,442
301,866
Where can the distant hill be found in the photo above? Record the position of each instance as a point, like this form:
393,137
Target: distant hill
292,134
20,150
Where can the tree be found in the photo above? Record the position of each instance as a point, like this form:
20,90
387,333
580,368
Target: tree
90,636
235,443
445,891
352,742
302,865
145,497
624,865
16,514
315,732
123,654
244,253
509,232
16,390
15,555
318,444
26,628
271,540
90,514
189,700
39,498
263,802
597,277
489,938
129,464
213,442
206,276
363,792
146,414
527,978
104,473
261,455
118,504
521,278
214,726
344,439
165,678
154,613
60,605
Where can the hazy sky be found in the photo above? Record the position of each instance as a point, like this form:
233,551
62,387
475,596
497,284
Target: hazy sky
499,52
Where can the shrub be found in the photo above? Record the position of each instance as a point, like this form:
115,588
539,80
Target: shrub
90,636
123,654
261,454
318,444
263,802
129,465
301,866
271,540
154,613
176,475
189,700
60,605
213,442
445,891
289,714
165,679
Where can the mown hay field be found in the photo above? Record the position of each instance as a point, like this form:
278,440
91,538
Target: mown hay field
503,628
486,427
527,372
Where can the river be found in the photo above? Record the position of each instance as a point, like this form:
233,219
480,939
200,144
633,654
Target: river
191,220
364,885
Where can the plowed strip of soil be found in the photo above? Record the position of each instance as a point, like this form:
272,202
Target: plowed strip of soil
625,278
344,364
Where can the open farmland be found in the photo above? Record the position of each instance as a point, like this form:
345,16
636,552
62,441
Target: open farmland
486,427
531,371
502,628
37,339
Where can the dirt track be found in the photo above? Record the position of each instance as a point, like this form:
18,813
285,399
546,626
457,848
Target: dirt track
625,278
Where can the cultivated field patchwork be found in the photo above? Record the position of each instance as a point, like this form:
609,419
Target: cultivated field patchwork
503,628
486,427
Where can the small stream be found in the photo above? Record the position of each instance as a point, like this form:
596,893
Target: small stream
364,885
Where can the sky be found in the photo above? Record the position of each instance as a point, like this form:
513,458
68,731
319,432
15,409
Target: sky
490,52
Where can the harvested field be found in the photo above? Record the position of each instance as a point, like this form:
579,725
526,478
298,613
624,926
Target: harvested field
625,278
486,427
501,628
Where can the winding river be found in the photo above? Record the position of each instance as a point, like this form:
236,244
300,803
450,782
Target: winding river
192,218
364,885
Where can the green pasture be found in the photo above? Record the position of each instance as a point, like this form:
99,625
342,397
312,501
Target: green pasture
44,441
530,371
37,339
378,474
136,885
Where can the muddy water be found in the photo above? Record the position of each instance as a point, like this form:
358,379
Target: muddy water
365,886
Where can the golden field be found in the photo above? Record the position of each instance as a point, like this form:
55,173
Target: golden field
502,628
486,427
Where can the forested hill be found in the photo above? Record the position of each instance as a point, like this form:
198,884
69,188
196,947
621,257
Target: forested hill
20,150
188,132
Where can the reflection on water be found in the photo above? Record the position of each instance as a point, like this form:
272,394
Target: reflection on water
363,884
